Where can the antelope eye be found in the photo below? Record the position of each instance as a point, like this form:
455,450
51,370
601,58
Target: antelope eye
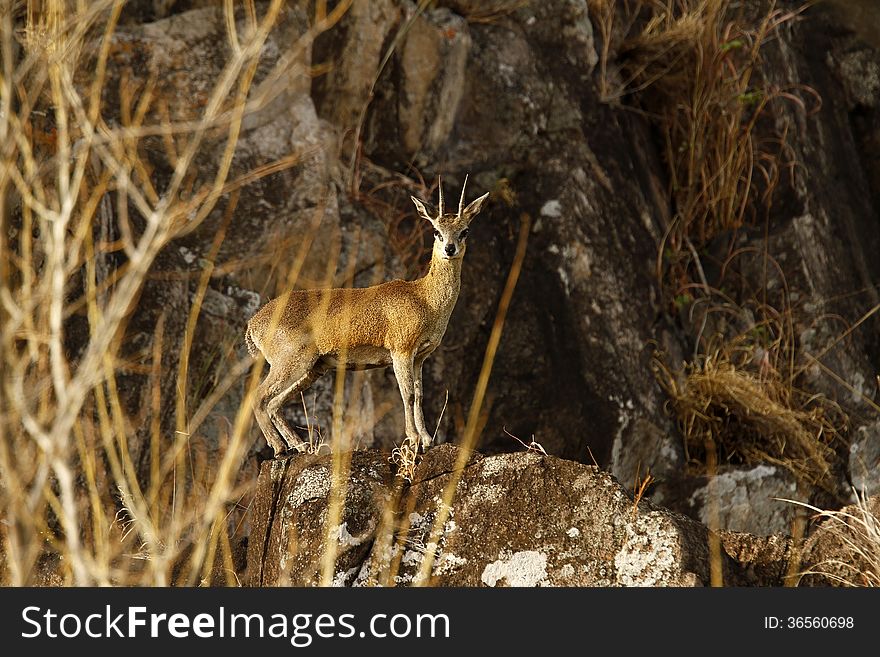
436,234
464,234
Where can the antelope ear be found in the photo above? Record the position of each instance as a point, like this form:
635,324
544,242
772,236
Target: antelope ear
422,210
474,208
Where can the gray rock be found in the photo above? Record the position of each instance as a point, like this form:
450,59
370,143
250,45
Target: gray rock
501,530
356,50
864,459
432,62
748,500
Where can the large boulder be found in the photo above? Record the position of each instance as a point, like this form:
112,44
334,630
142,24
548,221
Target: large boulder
529,520
520,519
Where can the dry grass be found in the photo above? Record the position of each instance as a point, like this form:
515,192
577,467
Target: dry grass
695,68
531,446
641,485
856,532
406,458
733,400
316,441
737,402
69,486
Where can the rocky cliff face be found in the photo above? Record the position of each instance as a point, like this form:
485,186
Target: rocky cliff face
509,93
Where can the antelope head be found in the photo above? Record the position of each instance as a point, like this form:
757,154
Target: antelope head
451,229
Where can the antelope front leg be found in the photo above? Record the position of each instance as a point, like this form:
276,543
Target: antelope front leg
403,370
424,435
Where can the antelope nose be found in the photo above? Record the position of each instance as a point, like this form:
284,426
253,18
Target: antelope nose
450,249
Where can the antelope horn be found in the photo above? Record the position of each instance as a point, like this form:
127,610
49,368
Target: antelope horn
461,202
440,185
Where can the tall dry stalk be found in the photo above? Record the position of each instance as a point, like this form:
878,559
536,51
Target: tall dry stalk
471,436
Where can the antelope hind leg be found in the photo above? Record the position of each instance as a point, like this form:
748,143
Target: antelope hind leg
296,381
273,437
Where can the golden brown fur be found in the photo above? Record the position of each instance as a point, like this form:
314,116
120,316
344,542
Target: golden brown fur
397,323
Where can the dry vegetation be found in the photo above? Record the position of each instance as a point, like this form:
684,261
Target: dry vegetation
695,68
856,533
69,489
752,414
